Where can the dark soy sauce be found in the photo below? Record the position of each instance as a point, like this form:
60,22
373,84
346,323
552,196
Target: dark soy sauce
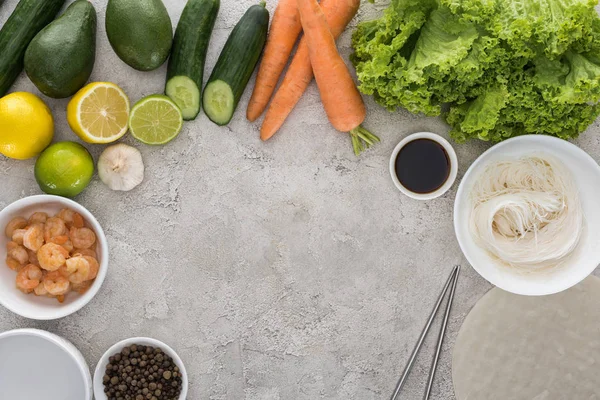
423,166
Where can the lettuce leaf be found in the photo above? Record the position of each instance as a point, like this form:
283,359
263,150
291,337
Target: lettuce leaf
504,67
573,79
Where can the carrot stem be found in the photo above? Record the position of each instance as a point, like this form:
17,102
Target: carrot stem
362,139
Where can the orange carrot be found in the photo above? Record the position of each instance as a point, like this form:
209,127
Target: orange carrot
341,99
339,13
285,29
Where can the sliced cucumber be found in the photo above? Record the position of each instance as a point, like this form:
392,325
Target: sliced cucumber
219,102
184,91
186,66
236,65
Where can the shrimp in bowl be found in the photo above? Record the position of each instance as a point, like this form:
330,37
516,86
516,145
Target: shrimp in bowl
52,255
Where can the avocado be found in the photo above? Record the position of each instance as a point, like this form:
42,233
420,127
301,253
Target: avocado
60,58
140,32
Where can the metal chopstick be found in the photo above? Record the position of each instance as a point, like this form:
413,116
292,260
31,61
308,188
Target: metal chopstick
452,278
438,349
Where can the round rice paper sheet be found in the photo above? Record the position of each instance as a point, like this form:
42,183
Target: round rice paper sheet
513,347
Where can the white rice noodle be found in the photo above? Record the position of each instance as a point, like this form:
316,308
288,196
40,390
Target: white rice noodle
527,213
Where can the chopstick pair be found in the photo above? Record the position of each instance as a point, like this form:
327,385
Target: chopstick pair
451,283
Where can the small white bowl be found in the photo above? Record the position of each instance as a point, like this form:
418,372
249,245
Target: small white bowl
40,365
586,258
453,166
144,341
44,308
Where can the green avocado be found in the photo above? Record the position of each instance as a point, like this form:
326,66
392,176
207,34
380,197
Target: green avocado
140,32
60,58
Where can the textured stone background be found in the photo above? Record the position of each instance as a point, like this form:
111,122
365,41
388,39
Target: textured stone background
286,270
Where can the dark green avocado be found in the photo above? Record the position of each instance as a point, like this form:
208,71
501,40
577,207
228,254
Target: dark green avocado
61,57
140,32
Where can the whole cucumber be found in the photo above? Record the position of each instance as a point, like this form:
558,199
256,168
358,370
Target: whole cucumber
28,18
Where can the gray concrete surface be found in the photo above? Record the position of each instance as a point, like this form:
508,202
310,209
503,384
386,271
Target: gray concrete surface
287,270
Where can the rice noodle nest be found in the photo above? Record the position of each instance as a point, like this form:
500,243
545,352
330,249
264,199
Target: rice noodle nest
527,213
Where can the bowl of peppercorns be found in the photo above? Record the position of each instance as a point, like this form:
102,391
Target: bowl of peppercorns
140,369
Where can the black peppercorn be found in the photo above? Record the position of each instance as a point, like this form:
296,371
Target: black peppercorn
142,373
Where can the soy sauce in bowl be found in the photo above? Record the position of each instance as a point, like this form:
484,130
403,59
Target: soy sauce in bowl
423,166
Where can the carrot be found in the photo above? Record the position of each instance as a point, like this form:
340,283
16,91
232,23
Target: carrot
342,101
339,13
285,29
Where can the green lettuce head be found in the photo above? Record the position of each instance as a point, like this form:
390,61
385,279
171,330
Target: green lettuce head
503,67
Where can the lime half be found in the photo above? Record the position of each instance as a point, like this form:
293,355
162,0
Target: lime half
155,120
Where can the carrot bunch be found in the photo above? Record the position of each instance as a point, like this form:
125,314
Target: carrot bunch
316,57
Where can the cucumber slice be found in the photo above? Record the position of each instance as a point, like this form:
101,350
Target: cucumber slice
184,91
219,102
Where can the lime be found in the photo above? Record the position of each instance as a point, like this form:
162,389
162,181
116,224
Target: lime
26,125
64,169
155,119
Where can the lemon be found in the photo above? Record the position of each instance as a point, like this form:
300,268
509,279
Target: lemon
99,113
26,125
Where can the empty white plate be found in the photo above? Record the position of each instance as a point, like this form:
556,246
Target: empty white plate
40,365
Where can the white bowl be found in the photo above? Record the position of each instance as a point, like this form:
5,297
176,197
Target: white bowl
44,308
453,166
101,367
586,258
40,365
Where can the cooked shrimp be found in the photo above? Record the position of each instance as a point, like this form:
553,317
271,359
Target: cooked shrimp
33,257
94,267
17,236
71,218
68,245
82,238
17,252
29,278
64,271
54,227
79,269
84,252
42,226
59,240
78,221
40,290
52,256
38,217
13,264
66,215
56,284
82,287
13,225
34,238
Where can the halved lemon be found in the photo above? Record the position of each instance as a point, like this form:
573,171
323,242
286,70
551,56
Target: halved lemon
99,113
